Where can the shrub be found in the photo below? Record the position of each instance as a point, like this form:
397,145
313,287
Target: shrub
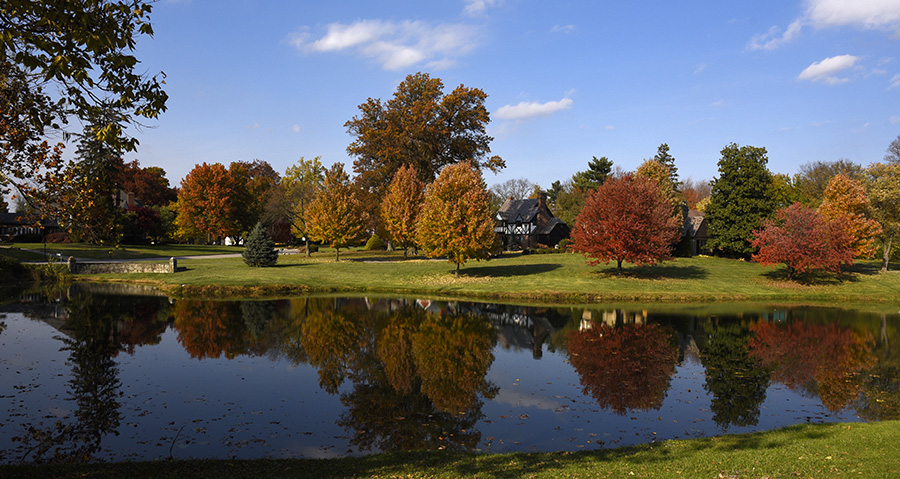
565,244
58,237
374,244
259,248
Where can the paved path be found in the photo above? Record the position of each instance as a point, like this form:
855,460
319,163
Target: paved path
149,260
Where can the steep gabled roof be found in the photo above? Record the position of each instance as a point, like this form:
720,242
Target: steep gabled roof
514,211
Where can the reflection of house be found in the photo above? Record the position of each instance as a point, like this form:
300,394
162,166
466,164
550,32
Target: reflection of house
529,224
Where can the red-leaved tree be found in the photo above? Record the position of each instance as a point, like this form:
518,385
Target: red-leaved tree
625,219
804,240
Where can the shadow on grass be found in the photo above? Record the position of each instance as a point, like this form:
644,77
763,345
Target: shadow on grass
822,278
655,272
507,271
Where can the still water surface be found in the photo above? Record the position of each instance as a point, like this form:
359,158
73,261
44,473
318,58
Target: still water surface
122,377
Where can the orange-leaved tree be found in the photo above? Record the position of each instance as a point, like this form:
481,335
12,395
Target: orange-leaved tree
626,219
206,203
456,218
336,215
846,202
400,207
804,240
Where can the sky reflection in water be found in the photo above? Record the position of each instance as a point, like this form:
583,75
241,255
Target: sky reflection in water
109,377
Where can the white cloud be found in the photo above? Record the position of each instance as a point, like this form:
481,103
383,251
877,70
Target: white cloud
478,7
295,128
700,68
773,38
826,70
526,110
895,81
563,29
394,45
895,119
881,14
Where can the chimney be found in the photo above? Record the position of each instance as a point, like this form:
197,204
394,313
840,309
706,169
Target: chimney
129,202
542,199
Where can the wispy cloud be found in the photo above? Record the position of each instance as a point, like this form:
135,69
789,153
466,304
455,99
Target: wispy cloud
895,81
563,29
826,70
527,110
395,45
295,128
478,7
775,38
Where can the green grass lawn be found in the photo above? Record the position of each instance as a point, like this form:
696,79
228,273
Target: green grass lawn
806,451
515,277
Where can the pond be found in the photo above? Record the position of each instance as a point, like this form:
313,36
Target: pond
91,375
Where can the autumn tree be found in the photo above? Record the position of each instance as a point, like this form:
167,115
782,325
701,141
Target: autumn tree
422,127
336,215
813,178
625,219
257,182
804,240
660,174
741,197
882,182
299,186
695,191
207,203
456,217
846,202
149,184
400,208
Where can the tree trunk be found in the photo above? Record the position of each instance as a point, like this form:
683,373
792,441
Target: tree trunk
457,269
337,255
886,246
619,265
307,248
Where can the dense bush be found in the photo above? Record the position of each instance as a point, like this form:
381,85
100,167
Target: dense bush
58,237
565,243
374,244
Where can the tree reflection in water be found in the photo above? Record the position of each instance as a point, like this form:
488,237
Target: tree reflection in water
625,367
416,377
737,381
97,328
824,359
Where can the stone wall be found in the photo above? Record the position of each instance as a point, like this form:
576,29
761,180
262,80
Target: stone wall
136,267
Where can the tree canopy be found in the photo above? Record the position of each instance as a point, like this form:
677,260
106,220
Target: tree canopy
456,218
336,215
846,202
882,182
422,127
626,219
401,206
741,197
206,203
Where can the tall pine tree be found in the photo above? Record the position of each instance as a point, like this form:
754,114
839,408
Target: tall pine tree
260,249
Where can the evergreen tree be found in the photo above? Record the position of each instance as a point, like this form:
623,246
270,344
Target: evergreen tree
260,249
742,196
663,156
595,175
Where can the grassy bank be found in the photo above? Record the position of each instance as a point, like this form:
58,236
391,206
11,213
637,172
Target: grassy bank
805,451
34,251
514,277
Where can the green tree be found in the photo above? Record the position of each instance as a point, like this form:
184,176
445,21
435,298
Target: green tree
597,172
336,215
456,218
400,208
422,127
663,157
259,249
741,197
814,177
882,182
659,173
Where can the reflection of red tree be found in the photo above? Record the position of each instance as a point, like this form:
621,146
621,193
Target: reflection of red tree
209,329
827,359
626,367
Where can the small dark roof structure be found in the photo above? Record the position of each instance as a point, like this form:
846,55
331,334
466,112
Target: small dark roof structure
529,223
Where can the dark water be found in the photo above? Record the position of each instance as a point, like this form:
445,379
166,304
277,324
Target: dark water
91,376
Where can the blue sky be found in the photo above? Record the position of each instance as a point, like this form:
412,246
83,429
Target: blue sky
566,80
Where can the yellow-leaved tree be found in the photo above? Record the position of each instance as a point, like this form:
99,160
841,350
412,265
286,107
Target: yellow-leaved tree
400,207
456,218
336,215
846,202
882,182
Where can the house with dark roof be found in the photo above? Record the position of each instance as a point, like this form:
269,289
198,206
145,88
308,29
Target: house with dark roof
16,225
529,224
